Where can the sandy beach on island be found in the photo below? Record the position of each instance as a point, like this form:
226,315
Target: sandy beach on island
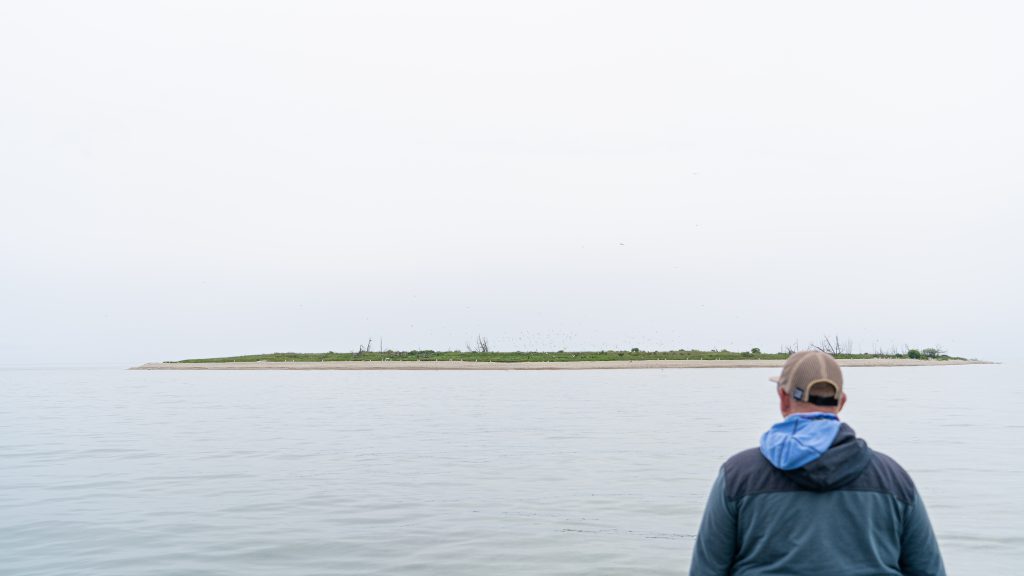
461,365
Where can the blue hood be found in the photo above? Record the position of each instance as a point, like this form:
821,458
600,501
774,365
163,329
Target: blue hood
799,439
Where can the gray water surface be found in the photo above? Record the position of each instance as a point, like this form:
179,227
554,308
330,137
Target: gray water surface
106,471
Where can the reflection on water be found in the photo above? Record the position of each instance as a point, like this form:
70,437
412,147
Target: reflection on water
595,472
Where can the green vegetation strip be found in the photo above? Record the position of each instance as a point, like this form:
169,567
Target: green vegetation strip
635,354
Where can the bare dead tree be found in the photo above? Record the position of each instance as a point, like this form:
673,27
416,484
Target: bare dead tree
790,349
482,345
824,346
368,348
833,347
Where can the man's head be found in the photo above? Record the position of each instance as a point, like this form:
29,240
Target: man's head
811,381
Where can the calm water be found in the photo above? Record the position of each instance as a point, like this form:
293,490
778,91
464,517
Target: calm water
106,471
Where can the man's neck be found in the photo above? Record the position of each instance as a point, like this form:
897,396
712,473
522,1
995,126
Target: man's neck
830,413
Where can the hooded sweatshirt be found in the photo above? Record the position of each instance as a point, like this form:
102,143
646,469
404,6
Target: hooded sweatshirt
814,499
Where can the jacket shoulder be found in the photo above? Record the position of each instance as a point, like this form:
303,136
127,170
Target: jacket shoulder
749,472
749,458
883,474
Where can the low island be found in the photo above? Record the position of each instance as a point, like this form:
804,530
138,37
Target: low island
561,360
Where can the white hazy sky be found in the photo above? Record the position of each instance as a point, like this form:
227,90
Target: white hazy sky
182,179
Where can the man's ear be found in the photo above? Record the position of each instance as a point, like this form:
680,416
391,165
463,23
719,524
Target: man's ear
842,402
785,402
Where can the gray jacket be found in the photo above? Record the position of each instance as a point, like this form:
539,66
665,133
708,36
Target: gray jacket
852,511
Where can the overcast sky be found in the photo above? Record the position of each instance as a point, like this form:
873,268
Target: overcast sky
184,179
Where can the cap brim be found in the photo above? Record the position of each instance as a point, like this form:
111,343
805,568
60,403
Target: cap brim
775,379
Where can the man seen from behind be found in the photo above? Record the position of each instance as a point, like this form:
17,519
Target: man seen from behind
814,499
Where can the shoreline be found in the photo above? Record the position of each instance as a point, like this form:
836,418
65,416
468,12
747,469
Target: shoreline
583,365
